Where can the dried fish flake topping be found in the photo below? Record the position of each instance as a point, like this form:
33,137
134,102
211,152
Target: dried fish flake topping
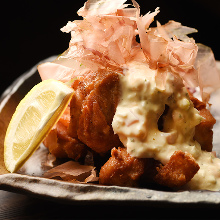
72,171
106,39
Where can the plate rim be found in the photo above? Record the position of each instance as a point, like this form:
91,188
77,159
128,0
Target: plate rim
91,193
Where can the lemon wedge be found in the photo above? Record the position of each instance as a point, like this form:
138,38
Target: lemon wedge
34,117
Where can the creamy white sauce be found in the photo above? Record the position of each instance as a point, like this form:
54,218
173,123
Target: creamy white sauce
136,122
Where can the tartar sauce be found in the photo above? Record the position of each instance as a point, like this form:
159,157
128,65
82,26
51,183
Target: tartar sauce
142,105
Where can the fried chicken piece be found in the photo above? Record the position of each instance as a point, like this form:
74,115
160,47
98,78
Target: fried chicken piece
196,102
178,171
51,142
203,131
124,170
92,109
74,148
61,145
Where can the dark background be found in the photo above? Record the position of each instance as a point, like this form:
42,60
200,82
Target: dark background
30,30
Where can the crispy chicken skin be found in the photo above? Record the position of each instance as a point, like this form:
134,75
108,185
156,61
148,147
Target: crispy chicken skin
121,169
124,170
91,112
61,145
92,109
203,131
178,171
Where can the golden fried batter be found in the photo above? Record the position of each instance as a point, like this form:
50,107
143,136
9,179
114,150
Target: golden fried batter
121,169
203,131
124,170
61,145
92,109
178,171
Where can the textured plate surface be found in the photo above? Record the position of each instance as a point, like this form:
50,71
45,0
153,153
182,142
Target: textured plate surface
71,192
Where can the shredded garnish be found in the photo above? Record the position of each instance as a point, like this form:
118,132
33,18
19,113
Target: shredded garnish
106,38
73,172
